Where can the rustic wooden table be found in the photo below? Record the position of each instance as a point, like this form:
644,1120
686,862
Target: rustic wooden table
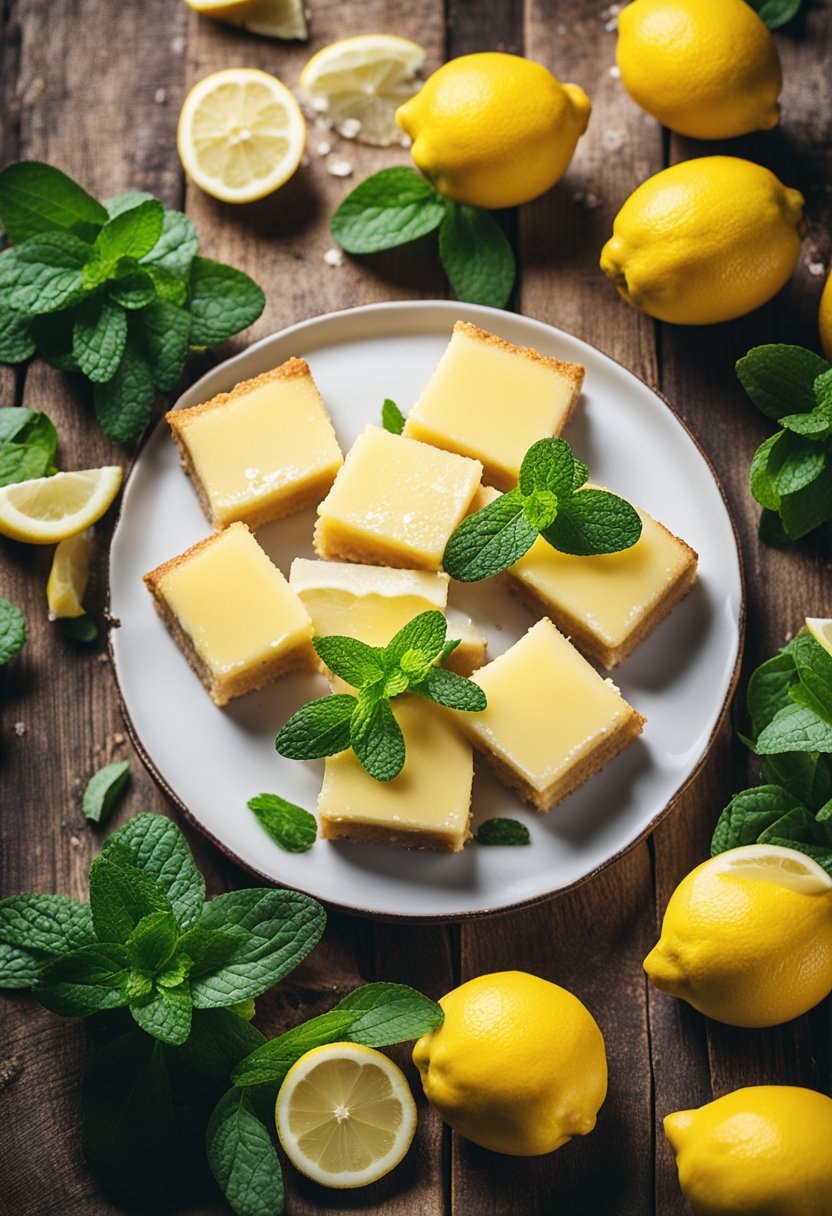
95,86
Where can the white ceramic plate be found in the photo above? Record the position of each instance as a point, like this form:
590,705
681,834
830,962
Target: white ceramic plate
212,761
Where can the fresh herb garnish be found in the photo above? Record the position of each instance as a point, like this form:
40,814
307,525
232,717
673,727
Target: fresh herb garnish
115,292
502,831
399,205
28,444
290,827
366,722
549,502
12,630
791,473
104,790
775,12
392,419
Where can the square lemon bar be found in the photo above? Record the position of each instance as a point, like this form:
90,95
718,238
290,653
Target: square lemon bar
395,502
262,451
491,400
609,602
232,613
372,603
551,720
427,806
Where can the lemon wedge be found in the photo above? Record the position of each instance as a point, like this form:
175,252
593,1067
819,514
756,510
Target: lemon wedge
357,85
345,1115
49,509
271,18
774,863
241,134
820,628
68,577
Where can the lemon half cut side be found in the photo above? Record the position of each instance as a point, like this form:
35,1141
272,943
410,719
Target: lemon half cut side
775,863
46,510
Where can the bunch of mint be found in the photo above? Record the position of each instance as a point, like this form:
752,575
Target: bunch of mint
790,704
169,981
409,663
399,205
791,474
549,502
114,292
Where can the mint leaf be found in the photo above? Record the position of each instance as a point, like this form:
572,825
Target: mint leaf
320,728
780,379
223,301
549,464
775,12
133,292
289,826
390,208
124,404
761,481
816,425
389,1013
794,462
20,968
490,540
376,738
392,419
807,508
12,631
451,690
28,443
541,509
85,981
210,949
50,924
126,202
166,1015
53,335
270,1062
219,1039
768,688
168,286
476,256
104,791
425,634
800,829
98,340
795,729
594,521
352,660
177,246
806,775
36,198
167,331
823,391
152,942
157,846
131,233
502,832
243,1159
121,895
748,814
44,274
813,666
16,341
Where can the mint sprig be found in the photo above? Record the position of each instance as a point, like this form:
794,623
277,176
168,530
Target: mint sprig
116,293
365,721
548,501
398,205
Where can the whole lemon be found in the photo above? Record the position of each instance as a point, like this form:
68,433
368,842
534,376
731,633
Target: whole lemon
494,130
825,319
517,1066
747,937
704,68
704,241
759,1151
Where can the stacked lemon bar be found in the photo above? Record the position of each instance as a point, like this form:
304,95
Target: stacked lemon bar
385,513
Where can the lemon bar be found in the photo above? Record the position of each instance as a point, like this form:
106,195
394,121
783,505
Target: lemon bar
372,603
262,451
395,502
232,613
427,806
551,720
491,400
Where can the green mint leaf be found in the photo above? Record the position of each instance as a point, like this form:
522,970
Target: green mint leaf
139,986
290,827
20,968
281,928
157,846
549,465
124,404
392,419
377,739
318,729
768,688
243,1159
98,340
807,508
121,895
390,208
28,444
16,341
53,337
22,462
813,665
270,1062
50,924
816,425
389,1013
166,330
131,233
13,422
490,540
170,287
476,256
125,202
36,198
761,481
541,509
222,301
174,972
85,981
801,695
12,630
795,729
104,790
580,475
153,941
780,379
775,12
166,1015
594,521
425,633
135,291
219,1039
800,829
78,628
448,649
352,660
502,832
806,775
177,246
823,391
210,949
748,814
399,681
44,274
447,688
794,462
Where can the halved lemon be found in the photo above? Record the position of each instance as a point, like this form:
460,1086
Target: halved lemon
345,1115
821,630
241,134
49,509
357,84
68,577
774,863
271,18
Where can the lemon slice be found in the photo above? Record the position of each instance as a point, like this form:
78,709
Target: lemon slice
774,863
271,18
821,630
49,509
68,577
357,84
241,134
345,1115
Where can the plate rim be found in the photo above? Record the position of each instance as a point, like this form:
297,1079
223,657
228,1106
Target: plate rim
112,624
